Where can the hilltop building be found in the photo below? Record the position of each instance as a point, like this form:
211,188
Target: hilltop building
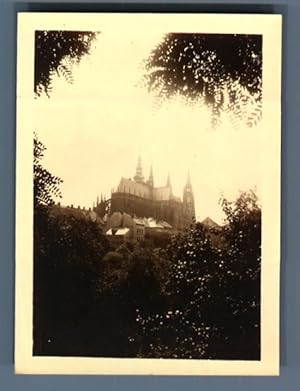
140,198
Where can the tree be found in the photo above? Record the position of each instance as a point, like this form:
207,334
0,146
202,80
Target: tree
131,279
180,331
56,52
242,287
223,71
68,252
214,293
46,185
68,262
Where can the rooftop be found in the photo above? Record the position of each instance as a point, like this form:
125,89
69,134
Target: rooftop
117,232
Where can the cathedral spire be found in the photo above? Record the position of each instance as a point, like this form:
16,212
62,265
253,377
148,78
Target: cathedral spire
168,181
139,177
188,200
188,179
151,172
150,180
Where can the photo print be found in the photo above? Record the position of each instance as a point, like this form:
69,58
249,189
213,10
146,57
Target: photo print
148,194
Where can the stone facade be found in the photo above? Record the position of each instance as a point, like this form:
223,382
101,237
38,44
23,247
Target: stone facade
139,198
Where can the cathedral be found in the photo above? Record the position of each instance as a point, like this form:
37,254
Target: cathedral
140,198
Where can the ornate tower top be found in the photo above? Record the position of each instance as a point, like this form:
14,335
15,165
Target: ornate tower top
151,180
168,181
188,199
188,179
168,185
139,177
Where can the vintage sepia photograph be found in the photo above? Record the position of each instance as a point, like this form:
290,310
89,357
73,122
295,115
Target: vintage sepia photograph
149,193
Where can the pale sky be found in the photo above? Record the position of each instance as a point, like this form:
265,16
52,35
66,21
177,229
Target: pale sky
95,129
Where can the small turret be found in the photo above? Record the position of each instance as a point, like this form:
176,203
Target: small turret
150,181
169,181
188,179
188,199
139,177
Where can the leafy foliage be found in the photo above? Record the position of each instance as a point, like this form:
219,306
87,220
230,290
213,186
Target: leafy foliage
214,307
56,52
223,71
67,263
46,185
86,294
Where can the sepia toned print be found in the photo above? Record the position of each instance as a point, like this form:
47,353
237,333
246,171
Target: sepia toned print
153,231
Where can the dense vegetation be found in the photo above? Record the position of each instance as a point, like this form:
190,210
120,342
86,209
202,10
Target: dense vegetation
221,71
190,299
56,52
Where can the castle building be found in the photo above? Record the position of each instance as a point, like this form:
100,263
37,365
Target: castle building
140,198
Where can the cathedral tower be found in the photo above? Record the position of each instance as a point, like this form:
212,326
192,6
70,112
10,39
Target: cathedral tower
188,200
169,181
169,185
139,177
150,181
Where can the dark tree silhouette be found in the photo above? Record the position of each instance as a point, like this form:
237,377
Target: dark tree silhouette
214,293
130,279
56,52
46,185
223,71
68,254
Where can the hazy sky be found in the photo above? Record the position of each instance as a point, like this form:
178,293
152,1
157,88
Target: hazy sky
95,128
